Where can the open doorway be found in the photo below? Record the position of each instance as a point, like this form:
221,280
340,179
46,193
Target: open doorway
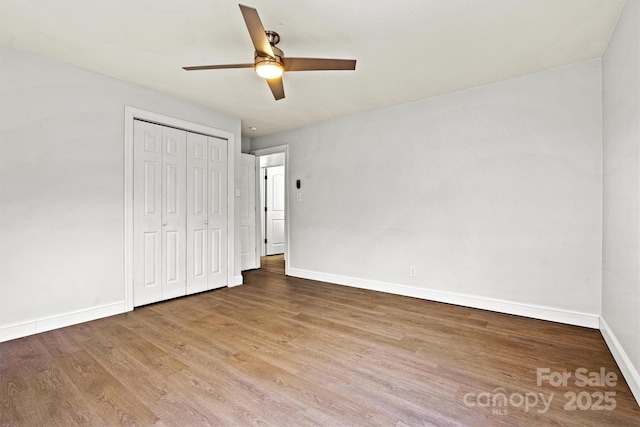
273,264
272,229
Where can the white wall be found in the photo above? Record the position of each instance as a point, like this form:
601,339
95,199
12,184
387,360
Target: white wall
246,144
621,210
493,194
61,188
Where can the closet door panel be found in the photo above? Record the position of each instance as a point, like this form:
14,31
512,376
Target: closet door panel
174,215
217,195
197,218
147,223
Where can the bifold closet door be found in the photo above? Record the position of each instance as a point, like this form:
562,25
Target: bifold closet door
217,200
159,213
180,213
206,213
197,216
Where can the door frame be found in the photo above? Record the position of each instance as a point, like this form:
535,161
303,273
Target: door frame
131,114
259,238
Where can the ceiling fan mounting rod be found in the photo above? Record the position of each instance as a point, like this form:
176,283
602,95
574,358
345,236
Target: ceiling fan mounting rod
273,37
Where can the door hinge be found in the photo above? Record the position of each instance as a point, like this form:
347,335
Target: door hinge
265,208
265,240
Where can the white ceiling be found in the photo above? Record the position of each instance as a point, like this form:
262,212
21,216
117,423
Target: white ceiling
406,49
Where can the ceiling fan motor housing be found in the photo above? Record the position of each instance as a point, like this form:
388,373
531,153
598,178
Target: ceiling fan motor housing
267,59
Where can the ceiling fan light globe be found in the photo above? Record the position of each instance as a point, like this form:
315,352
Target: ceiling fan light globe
269,70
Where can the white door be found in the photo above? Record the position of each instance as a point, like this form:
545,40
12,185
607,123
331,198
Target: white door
206,212
180,213
217,215
159,213
197,213
247,209
174,218
274,212
147,213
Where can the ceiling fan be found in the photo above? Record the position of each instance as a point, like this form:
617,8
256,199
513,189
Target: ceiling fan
269,61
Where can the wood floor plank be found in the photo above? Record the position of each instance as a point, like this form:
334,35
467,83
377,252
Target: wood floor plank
353,413
20,365
47,397
149,384
107,396
65,405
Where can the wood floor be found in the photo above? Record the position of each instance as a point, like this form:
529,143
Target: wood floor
282,351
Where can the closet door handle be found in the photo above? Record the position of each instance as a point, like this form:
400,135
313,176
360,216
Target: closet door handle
164,223
206,222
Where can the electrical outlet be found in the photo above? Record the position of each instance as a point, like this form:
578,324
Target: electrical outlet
412,271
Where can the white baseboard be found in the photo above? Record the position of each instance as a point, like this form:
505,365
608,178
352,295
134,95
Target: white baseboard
492,304
43,324
630,373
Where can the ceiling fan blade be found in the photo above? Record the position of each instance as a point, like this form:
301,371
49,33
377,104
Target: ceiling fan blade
317,64
277,88
217,67
256,31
